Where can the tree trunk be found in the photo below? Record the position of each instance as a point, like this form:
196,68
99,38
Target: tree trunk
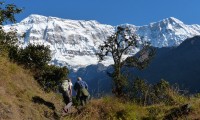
117,81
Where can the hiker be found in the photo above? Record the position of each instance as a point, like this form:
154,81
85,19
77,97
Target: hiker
67,94
81,89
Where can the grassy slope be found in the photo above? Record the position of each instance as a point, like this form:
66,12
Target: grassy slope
17,90
110,108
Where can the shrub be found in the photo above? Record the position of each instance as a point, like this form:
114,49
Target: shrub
50,76
13,53
146,94
33,56
36,58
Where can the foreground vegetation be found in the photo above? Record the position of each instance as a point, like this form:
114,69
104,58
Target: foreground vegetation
21,97
111,108
28,84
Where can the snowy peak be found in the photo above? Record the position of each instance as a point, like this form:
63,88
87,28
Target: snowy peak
168,23
172,20
34,18
167,32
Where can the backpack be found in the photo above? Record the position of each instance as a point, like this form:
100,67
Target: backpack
85,92
65,85
81,88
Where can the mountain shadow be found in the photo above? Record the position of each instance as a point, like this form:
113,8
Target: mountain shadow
177,65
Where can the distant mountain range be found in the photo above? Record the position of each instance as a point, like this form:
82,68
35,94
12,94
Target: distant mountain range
74,42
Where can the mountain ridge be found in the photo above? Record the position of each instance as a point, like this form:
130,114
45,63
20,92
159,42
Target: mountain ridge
74,42
176,65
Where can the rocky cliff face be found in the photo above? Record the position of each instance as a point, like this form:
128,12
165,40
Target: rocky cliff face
69,40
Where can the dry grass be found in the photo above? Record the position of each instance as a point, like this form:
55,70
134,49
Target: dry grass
17,89
108,108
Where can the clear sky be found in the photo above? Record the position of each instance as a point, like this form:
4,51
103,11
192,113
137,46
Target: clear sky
113,12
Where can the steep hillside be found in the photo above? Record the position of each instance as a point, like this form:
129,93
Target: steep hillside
22,98
177,65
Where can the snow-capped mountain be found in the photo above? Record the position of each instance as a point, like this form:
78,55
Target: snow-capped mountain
74,42
165,33
168,32
69,40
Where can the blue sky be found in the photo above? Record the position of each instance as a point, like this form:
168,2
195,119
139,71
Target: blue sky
113,12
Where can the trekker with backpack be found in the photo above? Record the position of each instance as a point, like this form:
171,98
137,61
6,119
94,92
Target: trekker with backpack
67,94
81,89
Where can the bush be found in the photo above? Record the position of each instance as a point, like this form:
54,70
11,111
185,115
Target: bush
146,94
50,76
36,58
13,53
33,56
138,91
